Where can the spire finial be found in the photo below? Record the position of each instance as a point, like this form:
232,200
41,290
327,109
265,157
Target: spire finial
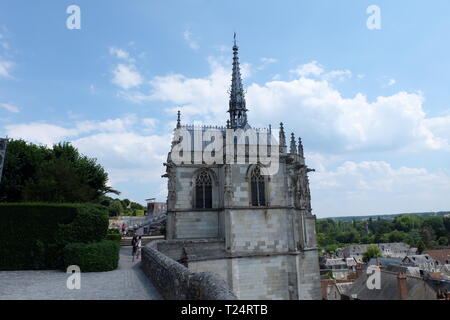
282,139
293,148
300,147
178,119
237,106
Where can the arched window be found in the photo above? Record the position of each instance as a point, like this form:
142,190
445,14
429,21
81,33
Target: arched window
203,191
258,187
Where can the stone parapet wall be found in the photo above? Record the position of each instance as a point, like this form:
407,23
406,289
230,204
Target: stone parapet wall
176,282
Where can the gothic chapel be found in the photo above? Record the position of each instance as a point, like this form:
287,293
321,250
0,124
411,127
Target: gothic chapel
256,231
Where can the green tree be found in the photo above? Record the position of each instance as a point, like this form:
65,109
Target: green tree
436,224
407,223
421,247
371,252
331,248
126,203
115,208
428,235
446,222
136,206
58,174
443,241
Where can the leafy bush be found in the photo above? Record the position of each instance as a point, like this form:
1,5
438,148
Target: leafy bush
93,257
113,230
139,213
33,235
113,236
372,252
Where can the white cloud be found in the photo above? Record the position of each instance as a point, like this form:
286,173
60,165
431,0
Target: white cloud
44,133
120,54
391,82
341,75
128,155
314,69
5,68
265,62
127,76
334,123
369,187
10,107
204,98
310,69
110,125
188,37
49,134
440,126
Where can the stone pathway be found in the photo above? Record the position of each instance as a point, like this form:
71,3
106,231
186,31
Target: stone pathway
127,282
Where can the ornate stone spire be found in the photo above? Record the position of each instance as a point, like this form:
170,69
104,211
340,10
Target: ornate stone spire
300,147
293,149
178,119
282,139
237,107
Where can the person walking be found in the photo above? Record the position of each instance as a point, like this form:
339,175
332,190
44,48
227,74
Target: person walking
134,244
124,229
138,247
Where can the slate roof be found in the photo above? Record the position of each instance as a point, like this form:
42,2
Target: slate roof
335,262
412,271
385,262
394,248
419,259
344,287
418,289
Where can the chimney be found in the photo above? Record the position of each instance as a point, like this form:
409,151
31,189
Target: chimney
402,286
358,270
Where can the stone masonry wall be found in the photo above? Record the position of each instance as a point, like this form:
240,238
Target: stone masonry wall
261,278
197,224
308,276
219,266
258,230
176,282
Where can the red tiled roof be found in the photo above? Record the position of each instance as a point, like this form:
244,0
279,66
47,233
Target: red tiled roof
442,255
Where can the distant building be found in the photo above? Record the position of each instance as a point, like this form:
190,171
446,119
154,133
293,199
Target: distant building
389,250
441,255
340,267
384,262
261,221
423,262
156,209
393,286
335,289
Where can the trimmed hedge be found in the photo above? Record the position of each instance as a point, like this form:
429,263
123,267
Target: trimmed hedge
33,235
113,236
90,225
93,257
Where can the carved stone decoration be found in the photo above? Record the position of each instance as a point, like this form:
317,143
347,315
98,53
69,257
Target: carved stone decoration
307,194
229,192
291,187
303,195
171,186
282,139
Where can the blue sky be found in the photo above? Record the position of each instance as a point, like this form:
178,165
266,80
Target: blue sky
372,106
